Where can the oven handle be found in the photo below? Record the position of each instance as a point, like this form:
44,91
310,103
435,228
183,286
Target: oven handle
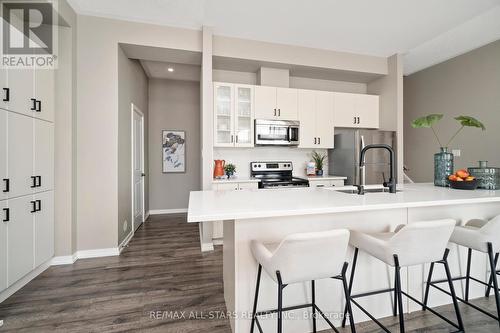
289,133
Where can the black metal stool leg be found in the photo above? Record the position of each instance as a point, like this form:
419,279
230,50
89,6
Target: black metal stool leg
452,290
348,299
495,281
280,302
395,304
467,276
313,293
351,280
427,287
257,286
492,276
398,292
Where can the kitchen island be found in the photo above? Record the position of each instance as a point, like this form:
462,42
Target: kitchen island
270,215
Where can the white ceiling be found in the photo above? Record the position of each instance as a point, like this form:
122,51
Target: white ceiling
381,27
183,72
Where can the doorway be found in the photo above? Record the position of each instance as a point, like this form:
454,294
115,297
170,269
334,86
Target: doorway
138,174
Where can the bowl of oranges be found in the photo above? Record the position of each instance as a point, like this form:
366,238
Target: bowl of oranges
462,180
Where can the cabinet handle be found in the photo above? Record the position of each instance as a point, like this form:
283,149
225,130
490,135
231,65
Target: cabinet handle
7,94
39,183
279,112
275,112
358,120
315,141
33,107
38,106
319,141
33,210
7,185
236,139
232,138
7,214
33,181
39,205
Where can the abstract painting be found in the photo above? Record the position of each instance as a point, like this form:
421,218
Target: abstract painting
174,151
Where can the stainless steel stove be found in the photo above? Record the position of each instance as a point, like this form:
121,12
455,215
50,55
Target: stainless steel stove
276,175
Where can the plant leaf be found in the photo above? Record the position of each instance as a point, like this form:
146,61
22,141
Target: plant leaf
426,121
470,122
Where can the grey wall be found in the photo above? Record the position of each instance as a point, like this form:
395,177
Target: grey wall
173,105
132,88
466,85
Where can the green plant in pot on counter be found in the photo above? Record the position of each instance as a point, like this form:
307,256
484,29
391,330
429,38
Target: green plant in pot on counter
443,161
319,160
230,169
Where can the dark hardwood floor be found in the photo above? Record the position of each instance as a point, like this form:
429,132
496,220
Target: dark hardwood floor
162,271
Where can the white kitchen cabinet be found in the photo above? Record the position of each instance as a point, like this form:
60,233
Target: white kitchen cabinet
233,115
4,180
326,182
20,238
276,103
4,217
44,94
356,110
316,116
4,89
43,161
44,227
20,154
21,90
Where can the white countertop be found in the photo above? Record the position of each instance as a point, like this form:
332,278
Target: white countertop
235,180
230,205
326,177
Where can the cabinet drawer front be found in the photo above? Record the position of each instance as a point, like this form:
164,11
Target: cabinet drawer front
226,187
319,183
337,183
248,186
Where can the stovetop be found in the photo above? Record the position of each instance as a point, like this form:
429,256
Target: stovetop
276,174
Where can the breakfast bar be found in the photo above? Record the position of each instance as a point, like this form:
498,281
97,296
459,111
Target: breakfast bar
271,215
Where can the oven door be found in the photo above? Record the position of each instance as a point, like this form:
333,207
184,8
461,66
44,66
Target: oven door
276,132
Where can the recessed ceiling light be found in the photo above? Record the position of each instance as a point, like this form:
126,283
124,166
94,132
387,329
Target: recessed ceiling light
170,69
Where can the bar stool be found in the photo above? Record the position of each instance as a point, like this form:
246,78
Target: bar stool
482,236
300,258
414,244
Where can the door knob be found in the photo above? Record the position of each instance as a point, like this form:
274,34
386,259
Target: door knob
143,175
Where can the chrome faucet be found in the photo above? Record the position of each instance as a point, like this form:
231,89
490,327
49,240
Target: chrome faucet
391,184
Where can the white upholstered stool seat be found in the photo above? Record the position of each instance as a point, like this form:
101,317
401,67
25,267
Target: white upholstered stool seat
476,234
413,244
303,257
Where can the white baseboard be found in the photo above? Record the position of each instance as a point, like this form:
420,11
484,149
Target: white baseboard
147,216
86,254
63,260
206,247
167,211
218,241
24,280
125,241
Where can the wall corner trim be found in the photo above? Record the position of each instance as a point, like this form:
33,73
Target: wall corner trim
63,260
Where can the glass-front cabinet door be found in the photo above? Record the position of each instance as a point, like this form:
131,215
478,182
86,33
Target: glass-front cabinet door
233,115
224,115
243,120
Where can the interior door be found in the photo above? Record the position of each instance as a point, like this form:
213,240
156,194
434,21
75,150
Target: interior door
4,181
4,217
43,164
265,102
20,160
138,168
44,227
307,118
324,119
286,102
20,238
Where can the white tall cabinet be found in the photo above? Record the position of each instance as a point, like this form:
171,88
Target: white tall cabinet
26,172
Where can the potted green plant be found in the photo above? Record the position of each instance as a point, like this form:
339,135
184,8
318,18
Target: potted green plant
319,160
230,169
443,161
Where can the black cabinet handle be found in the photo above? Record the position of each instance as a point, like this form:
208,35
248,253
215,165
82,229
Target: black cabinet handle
38,106
319,141
7,214
39,182
34,205
7,185
355,120
33,181
275,112
7,94
358,120
38,205
279,112
33,107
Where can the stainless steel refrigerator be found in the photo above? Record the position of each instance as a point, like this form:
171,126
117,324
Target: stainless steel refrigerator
343,160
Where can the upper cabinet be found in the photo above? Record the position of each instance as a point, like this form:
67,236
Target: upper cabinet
233,115
316,116
356,110
276,103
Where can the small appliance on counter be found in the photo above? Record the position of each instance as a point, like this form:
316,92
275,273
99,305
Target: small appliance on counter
276,175
219,169
488,177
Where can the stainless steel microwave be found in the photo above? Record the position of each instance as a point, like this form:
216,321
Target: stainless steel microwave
276,132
